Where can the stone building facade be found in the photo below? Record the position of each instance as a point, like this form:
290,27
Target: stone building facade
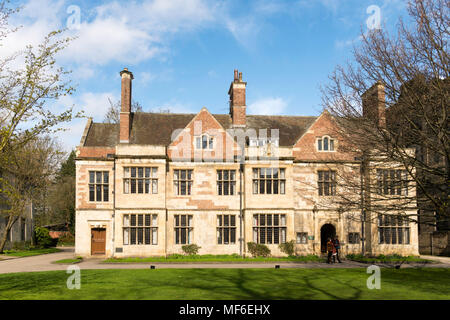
157,181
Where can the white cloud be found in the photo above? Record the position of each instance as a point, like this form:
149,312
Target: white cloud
268,106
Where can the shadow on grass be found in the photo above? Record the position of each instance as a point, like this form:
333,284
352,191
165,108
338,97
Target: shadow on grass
226,284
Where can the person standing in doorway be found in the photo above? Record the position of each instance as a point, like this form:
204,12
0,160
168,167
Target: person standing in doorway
330,248
337,247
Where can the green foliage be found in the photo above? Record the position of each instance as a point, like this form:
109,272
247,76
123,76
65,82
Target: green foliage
68,166
288,247
43,238
258,249
190,249
66,238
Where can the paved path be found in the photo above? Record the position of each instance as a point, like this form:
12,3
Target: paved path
44,263
444,260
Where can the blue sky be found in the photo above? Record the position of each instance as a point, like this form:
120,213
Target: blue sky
183,52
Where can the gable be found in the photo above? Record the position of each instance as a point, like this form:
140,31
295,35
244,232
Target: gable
305,149
205,124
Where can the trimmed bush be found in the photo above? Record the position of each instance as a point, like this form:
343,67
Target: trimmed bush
258,249
43,238
190,249
287,247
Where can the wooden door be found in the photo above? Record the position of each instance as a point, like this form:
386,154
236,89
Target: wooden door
98,241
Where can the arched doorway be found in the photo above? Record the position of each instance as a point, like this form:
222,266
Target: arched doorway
327,231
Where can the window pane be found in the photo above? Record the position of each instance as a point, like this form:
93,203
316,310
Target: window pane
147,235
319,144
126,221
233,235
154,186
140,235
133,236
154,220
147,172
133,172
133,185
126,235
91,192
140,186
147,186
98,177
154,236
91,176
155,173
105,193
106,177
233,220
98,192
331,145
282,187
325,144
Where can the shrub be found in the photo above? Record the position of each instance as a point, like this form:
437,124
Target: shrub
190,249
258,250
287,247
43,238
66,238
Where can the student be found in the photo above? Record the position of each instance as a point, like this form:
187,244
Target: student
330,248
337,247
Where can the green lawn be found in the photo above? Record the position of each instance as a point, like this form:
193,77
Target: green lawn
30,252
69,261
386,259
223,284
178,258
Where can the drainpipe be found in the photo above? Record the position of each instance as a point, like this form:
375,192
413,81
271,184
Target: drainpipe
363,212
113,247
241,239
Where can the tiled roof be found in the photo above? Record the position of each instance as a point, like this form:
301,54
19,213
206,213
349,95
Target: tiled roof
157,128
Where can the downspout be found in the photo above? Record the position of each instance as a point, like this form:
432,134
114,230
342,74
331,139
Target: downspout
241,239
114,209
363,218
166,218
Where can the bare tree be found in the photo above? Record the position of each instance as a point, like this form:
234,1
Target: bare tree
113,113
392,102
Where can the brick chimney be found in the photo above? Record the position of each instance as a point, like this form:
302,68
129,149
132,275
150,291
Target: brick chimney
125,110
237,100
374,104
